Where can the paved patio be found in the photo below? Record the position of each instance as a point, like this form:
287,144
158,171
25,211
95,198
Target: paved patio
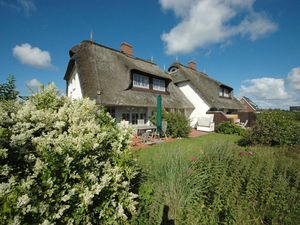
137,143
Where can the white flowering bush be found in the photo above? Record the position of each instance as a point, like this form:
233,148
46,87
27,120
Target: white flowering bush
64,162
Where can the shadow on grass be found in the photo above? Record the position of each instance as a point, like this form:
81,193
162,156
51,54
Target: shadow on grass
165,219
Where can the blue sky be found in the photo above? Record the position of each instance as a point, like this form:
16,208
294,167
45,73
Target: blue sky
253,46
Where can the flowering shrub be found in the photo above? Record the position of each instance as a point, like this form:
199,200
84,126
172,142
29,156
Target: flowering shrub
64,162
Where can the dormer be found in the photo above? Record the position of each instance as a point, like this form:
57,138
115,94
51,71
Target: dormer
149,83
225,91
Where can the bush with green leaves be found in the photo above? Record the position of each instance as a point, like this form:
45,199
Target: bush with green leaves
273,128
228,127
64,162
178,124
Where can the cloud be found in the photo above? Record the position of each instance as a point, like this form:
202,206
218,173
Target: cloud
266,88
34,83
207,22
269,92
25,6
294,79
33,56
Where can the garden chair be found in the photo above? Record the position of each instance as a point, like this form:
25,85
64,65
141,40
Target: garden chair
206,123
164,126
243,125
140,122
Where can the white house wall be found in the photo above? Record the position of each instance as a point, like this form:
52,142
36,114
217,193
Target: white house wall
74,88
200,106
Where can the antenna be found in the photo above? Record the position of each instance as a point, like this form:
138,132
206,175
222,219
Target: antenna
91,36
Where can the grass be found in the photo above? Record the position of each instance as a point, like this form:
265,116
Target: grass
185,148
204,180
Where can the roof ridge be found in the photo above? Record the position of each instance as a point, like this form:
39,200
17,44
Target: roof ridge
118,51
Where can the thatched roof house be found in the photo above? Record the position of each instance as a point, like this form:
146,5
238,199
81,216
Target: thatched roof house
127,85
206,93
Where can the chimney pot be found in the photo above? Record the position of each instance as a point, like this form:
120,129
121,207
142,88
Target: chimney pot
192,65
126,48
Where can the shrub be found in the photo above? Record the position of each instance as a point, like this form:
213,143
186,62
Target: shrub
65,162
178,124
228,127
274,128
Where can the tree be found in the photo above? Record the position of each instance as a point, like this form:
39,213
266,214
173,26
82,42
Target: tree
8,90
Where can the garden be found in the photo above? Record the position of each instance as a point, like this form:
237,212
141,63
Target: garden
69,162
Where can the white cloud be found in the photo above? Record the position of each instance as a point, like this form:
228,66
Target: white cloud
32,56
294,79
270,92
265,88
25,6
34,83
207,22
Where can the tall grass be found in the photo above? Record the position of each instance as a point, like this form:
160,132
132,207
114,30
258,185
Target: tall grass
220,186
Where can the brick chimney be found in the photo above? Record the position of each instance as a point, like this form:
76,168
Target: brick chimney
126,48
192,65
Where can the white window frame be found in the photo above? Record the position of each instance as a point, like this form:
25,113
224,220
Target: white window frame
140,81
159,85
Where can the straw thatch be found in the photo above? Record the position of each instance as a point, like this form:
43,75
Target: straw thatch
105,76
207,87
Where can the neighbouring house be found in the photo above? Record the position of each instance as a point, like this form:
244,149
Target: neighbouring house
207,95
295,108
126,85
248,105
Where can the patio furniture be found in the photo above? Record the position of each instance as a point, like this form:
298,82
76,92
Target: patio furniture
243,125
141,129
140,122
164,127
205,123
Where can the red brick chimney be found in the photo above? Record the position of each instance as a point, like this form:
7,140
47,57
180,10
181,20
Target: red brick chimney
192,65
126,48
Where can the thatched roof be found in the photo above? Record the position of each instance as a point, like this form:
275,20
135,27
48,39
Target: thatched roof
104,75
207,87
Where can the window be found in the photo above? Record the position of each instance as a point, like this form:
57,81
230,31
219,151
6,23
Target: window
140,81
224,92
112,111
126,116
135,117
159,85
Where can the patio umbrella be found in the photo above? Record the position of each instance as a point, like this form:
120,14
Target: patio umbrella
159,115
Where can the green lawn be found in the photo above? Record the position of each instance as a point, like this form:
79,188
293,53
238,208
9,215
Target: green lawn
186,148
204,180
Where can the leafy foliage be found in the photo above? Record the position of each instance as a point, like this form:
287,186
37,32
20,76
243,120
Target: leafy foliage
220,186
228,127
8,90
64,162
178,124
274,128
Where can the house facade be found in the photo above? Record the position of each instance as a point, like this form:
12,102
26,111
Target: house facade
248,105
128,86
